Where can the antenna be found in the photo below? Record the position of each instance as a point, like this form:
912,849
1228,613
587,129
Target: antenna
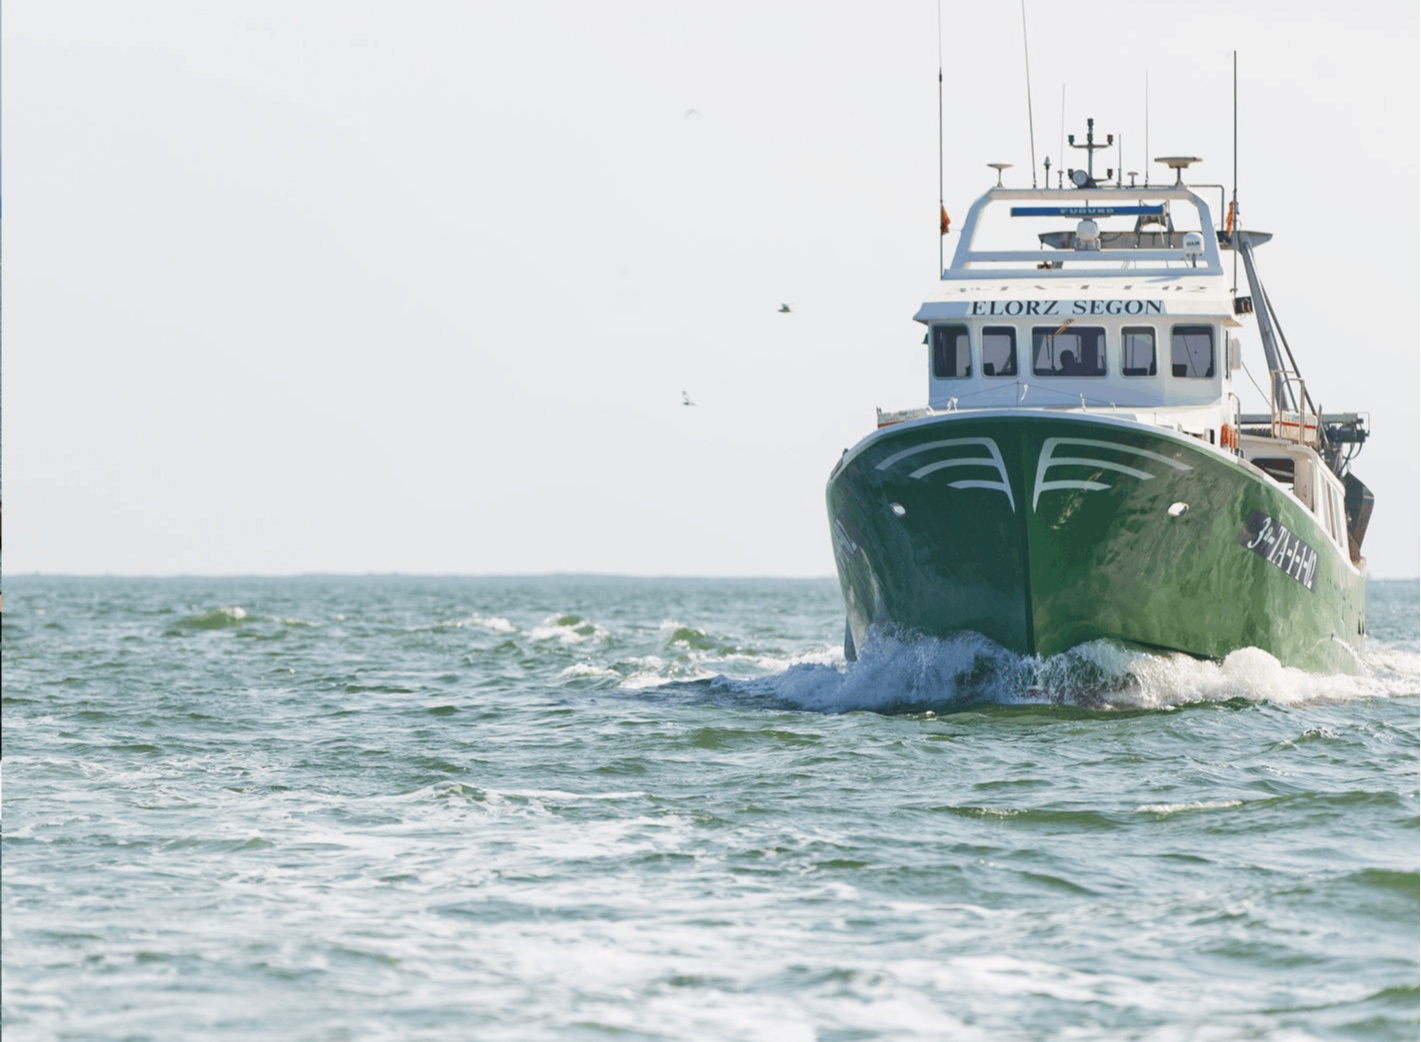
1062,151
1147,128
941,195
1030,125
1233,215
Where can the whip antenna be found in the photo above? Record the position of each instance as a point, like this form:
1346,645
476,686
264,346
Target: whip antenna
1233,212
941,196
1062,152
1030,126
1147,128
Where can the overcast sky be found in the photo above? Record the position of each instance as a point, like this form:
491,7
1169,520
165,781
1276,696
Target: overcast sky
372,287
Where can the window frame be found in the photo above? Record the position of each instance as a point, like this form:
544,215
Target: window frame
965,331
1337,515
1154,352
1104,351
1010,331
1194,328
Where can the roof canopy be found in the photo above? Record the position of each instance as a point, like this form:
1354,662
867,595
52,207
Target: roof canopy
1150,242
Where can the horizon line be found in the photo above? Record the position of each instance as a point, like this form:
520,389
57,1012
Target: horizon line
481,575
406,575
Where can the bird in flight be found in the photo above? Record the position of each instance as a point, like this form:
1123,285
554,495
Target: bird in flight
686,399
690,113
784,309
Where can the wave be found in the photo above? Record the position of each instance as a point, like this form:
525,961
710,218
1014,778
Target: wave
492,623
1175,808
676,635
216,619
569,629
228,618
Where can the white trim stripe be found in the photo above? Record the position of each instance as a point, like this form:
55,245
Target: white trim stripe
993,460
1047,460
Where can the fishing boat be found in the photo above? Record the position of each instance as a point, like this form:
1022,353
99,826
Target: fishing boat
1083,469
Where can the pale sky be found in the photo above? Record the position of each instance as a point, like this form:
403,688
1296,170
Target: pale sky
359,287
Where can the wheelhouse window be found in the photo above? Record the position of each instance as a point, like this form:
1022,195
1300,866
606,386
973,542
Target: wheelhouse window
1192,351
1137,351
1068,351
999,351
952,355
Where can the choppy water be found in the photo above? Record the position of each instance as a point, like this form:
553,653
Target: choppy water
397,808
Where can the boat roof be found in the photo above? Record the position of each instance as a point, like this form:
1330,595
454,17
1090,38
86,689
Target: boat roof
1142,238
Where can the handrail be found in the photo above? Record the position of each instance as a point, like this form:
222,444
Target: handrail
1283,417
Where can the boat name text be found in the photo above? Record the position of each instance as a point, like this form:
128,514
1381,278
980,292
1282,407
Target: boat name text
1013,308
1271,540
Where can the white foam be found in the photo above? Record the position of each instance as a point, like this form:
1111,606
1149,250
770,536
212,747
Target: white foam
1172,808
711,663
1402,664
292,621
574,632
493,623
1252,674
968,668
563,796
643,679
587,669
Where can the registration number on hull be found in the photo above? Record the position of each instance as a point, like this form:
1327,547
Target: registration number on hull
1271,540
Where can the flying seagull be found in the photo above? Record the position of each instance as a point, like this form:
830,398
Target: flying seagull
690,113
686,399
784,309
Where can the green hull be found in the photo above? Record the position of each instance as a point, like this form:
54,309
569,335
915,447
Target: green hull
1044,530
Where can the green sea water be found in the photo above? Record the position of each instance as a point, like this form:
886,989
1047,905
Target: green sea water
576,808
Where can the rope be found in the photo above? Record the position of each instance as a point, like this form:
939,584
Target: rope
1254,382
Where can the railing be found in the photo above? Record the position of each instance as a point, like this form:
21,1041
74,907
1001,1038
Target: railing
1297,424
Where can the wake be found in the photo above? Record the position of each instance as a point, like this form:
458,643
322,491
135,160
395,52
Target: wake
895,675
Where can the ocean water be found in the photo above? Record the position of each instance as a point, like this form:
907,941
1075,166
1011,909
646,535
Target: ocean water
573,808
